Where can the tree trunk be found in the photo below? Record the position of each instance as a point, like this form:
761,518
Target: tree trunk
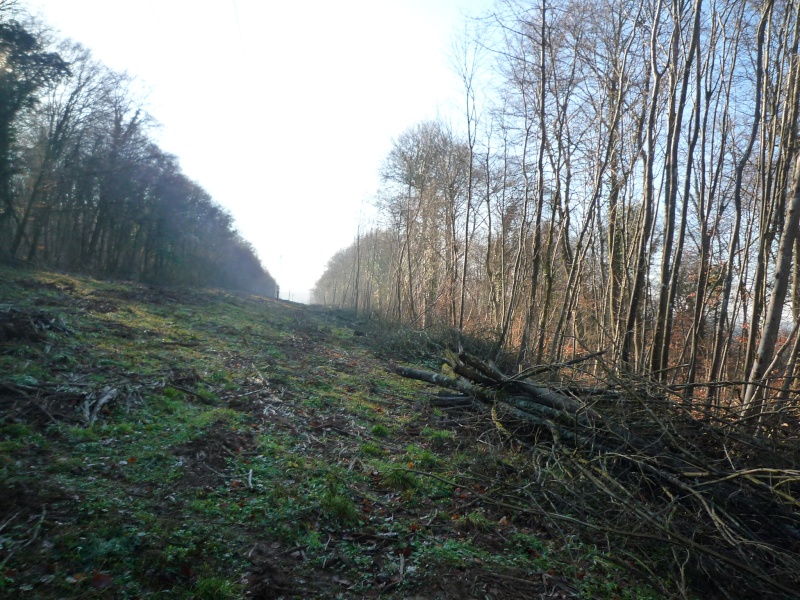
754,395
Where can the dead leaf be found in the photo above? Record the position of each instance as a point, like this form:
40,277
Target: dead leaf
101,581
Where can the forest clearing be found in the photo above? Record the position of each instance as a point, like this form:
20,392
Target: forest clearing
216,445
559,359
209,444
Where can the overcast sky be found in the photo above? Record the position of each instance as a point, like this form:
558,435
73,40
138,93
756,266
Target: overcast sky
282,111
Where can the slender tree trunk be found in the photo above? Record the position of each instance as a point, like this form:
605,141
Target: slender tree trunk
719,334
537,233
670,273
646,220
754,395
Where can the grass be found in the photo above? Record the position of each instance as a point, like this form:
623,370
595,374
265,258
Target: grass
380,431
399,479
250,445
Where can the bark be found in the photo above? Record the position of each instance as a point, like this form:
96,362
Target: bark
536,252
754,395
670,270
646,220
733,246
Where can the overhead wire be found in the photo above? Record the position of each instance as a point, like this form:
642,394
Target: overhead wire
238,27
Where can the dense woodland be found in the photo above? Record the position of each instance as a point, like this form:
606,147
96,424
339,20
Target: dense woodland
83,185
625,177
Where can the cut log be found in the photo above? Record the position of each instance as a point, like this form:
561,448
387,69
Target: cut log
446,402
704,486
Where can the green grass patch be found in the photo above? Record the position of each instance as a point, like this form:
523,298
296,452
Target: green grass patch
340,509
438,437
399,479
370,449
243,430
380,431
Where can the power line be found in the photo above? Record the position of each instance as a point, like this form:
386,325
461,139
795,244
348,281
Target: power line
238,26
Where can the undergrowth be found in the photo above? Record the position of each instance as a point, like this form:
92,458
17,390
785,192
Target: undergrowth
206,444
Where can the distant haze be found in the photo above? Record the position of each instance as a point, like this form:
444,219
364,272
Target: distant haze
282,111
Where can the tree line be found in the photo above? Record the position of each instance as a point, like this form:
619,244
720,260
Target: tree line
84,187
624,176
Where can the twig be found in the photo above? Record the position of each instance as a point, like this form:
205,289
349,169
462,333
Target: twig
37,528
544,368
44,410
236,396
8,520
91,410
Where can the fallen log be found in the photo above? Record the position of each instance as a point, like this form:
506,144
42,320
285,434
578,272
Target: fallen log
692,482
452,402
493,386
450,383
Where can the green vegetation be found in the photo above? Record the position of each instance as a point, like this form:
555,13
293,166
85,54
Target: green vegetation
144,450
380,431
155,223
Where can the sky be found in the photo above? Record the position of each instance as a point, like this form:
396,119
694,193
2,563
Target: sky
282,111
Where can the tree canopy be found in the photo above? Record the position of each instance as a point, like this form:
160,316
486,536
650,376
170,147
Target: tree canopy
624,176
83,185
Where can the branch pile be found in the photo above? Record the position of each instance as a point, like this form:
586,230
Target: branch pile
22,325
696,501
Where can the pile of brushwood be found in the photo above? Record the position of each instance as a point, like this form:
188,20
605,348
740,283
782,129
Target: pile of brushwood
697,500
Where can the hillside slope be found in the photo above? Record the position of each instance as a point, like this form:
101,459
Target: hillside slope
219,445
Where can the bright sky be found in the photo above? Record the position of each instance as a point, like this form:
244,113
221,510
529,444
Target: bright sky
282,111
